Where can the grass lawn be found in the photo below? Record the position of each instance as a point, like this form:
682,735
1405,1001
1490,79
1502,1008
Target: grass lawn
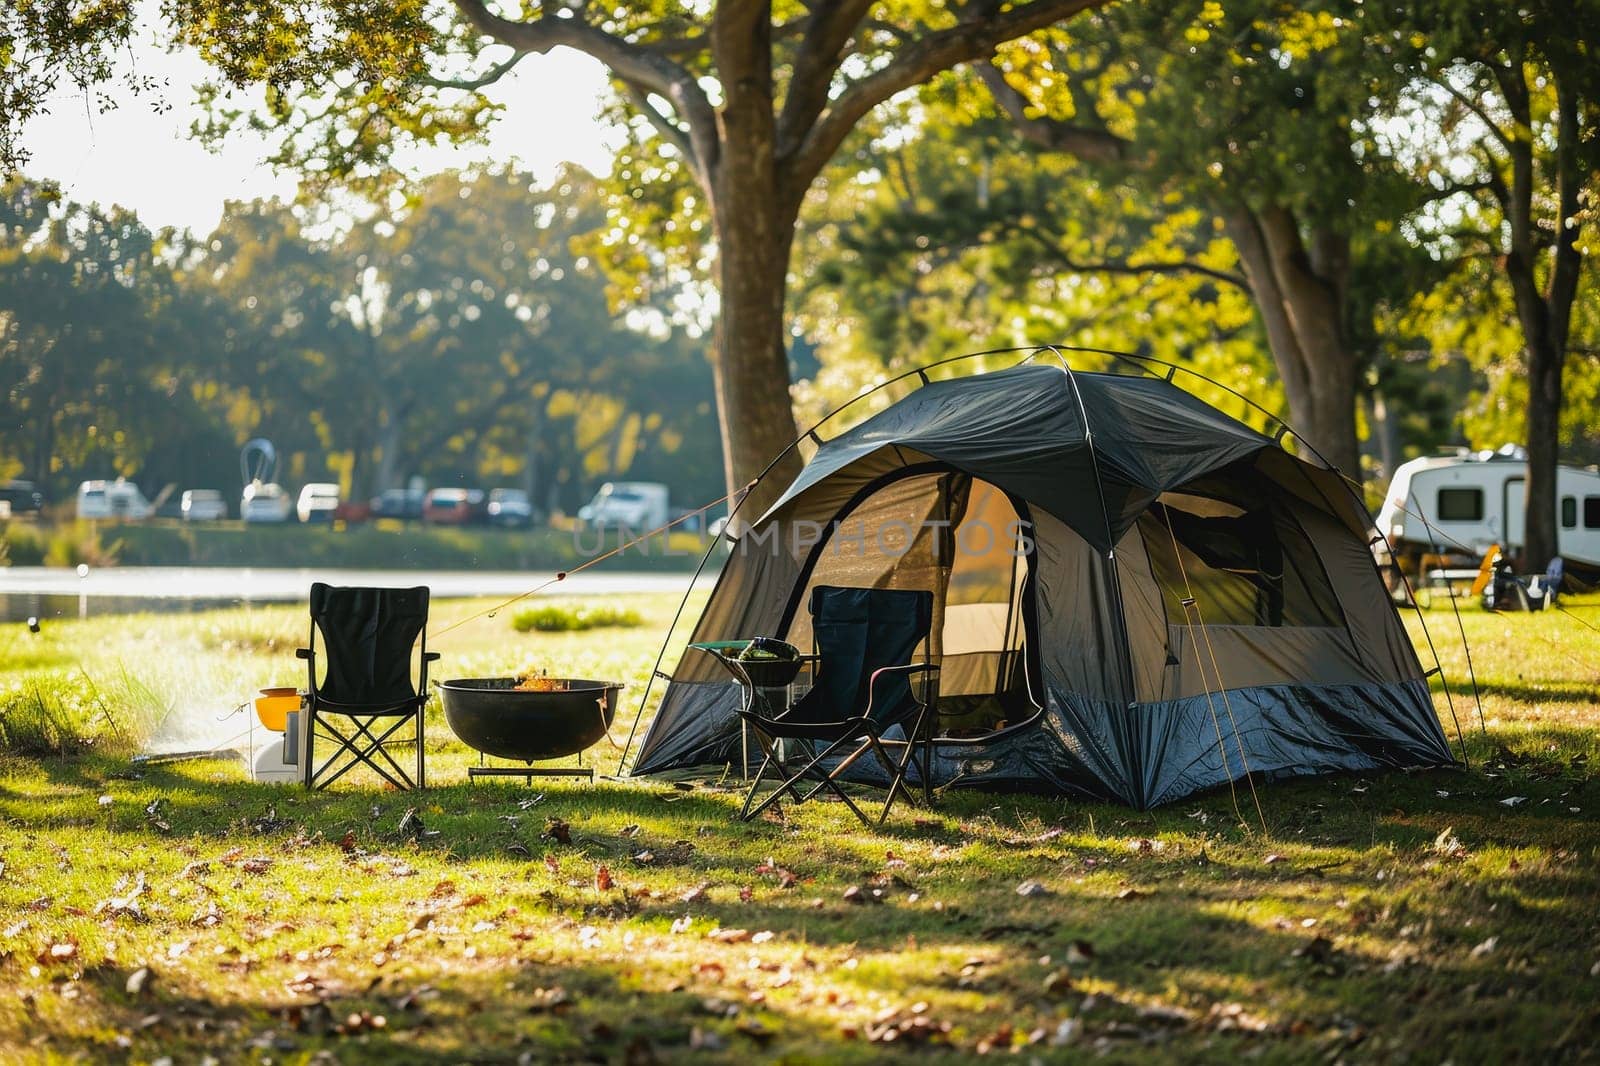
179,910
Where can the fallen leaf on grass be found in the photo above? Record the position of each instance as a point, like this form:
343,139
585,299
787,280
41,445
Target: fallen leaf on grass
1486,948
1079,952
630,831
1131,893
126,904
1512,801
1274,859
696,894
1030,888
258,864
139,982
559,831
602,878
728,936
745,894
1447,843
710,971
554,999
347,843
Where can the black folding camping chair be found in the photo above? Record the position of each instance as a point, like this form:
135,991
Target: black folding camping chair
365,696
862,691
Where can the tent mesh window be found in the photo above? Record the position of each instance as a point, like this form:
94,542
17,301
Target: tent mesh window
965,540
1244,567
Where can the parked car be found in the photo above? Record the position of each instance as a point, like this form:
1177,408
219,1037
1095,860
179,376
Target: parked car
398,503
203,505
23,497
318,501
353,511
265,501
454,507
638,505
112,499
510,508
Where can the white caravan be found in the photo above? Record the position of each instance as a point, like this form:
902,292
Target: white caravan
1473,500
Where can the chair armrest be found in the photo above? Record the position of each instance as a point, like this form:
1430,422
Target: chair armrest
908,669
304,653
430,656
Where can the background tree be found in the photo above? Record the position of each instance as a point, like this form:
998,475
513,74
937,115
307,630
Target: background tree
1260,113
461,339
748,101
1511,97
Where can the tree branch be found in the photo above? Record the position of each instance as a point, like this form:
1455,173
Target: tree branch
1085,143
827,29
633,63
670,131
912,65
1476,107
487,78
1471,188
1124,266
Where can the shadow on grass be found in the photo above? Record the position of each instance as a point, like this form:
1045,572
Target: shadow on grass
1165,897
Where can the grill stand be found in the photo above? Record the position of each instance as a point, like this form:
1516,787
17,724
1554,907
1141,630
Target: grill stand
529,772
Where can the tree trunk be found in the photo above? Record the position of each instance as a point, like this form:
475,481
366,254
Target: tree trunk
755,232
389,425
1539,537
1302,313
1546,318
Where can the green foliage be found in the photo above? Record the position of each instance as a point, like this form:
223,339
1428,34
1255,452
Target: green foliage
25,543
47,45
575,618
81,542
459,337
59,712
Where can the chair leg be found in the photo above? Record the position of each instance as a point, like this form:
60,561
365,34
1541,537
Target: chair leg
360,745
825,780
897,771
307,755
750,793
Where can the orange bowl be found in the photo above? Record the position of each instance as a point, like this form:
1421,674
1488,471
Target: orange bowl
273,707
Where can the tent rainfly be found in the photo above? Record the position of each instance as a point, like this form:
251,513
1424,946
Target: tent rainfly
1136,596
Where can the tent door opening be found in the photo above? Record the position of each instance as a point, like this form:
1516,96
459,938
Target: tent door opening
927,526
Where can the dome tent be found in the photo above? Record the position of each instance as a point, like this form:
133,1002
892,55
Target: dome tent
1137,597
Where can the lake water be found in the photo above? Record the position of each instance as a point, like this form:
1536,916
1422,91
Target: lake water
59,592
